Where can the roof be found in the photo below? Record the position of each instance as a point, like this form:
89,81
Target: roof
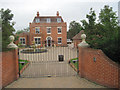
78,36
23,33
43,19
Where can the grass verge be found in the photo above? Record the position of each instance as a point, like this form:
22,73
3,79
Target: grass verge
20,64
76,63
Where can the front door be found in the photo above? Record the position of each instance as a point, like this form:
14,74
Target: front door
48,41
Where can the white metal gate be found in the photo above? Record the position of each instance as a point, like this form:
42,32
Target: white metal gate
47,64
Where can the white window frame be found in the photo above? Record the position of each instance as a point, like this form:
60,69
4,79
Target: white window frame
61,40
22,42
48,20
37,28
35,42
47,30
59,20
61,30
37,20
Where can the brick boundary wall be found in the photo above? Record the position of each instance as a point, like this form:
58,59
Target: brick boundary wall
95,66
10,67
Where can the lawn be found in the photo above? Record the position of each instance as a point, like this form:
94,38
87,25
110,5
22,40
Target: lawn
20,65
76,63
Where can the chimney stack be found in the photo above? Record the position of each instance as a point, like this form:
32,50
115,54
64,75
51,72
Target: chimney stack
57,13
37,14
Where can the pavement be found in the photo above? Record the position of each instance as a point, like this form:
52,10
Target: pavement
54,82
45,71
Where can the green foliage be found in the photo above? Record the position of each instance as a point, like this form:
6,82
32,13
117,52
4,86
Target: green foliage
20,65
7,27
104,34
74,28
24,30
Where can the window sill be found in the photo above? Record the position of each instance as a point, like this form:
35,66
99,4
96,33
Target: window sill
59,33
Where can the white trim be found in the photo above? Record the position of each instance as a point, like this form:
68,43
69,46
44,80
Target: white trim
40,40
48,20
22,38
57,40
48,36
50,41
47,29
61,30
59,20
35,30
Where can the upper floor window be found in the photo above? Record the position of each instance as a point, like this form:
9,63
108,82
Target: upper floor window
59,40
22,40
59,20
59,29
48,30
48,20
37,30
37,20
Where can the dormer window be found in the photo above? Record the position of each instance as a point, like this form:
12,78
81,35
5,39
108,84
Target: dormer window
48,20
37,20
37,30
59,20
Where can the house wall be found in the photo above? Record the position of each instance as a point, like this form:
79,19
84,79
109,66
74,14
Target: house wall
26,39
43,32
102,71
10,67
76,42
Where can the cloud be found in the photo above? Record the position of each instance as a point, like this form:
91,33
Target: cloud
25,10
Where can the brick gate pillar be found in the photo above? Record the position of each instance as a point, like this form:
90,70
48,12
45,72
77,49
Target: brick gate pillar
81,47
12,45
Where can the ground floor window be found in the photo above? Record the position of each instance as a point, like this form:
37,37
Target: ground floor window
59,40
22,40
37,40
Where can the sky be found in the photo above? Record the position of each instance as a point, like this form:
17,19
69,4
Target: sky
25,10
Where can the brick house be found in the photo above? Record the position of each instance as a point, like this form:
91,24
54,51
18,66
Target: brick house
46,30
77,38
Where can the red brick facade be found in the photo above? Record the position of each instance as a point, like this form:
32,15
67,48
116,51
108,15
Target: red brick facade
10,67
42,23
97,67
77,38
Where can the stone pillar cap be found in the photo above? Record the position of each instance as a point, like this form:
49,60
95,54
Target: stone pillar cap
12,45
83,43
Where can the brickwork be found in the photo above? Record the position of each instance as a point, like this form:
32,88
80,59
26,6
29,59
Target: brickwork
76,42
54,35
42,25
10,67
97,67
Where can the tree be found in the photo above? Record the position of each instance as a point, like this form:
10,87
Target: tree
74,28
90,28
23,30
7,27
104,34
109,28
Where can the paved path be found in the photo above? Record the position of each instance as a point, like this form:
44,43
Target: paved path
47,64
51,66
54,82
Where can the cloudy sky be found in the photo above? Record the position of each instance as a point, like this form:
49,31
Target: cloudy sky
25,10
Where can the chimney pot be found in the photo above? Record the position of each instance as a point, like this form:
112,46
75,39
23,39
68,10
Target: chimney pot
37,14
57,13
